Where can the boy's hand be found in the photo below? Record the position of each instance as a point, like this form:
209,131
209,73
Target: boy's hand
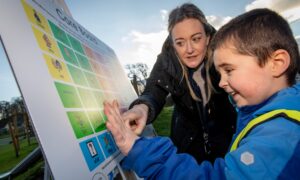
121,132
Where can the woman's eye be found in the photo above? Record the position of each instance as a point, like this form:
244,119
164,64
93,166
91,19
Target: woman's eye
179,43
196,39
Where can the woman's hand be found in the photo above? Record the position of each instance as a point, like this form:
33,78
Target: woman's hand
136,118
121,132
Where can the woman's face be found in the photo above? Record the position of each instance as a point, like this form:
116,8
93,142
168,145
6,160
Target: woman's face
190,42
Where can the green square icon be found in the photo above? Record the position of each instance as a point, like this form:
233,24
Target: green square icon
68,95
76,45
68,54
77,76
84,62
80,124
59,33
97,120
87,98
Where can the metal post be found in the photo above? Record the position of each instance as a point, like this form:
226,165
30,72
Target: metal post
47,172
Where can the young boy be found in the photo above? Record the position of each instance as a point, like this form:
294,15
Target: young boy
257,58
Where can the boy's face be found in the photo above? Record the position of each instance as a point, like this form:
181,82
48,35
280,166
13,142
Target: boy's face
242,77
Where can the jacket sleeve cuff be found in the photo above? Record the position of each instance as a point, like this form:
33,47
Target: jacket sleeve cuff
129,161
156,149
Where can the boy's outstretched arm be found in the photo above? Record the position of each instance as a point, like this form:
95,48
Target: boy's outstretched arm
121,132
163,161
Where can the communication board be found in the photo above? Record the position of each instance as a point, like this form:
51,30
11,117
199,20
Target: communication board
65,73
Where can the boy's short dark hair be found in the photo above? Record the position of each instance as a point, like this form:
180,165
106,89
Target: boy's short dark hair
259,33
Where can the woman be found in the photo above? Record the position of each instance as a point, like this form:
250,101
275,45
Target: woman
203,122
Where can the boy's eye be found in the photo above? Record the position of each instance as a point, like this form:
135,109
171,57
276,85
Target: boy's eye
228,70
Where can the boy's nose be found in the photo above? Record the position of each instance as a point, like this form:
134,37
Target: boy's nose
223,83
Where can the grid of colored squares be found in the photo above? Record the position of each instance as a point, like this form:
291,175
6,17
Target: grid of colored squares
81,81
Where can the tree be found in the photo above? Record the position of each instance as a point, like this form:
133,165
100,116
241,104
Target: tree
18,107
137,73
4,113
14,115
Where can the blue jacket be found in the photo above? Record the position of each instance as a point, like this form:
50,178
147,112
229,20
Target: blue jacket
271,150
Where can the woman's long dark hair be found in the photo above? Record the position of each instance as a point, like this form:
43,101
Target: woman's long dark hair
189,11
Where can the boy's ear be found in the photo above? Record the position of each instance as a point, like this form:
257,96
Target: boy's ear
280,62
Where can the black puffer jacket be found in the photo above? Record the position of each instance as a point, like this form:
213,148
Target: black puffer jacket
186,129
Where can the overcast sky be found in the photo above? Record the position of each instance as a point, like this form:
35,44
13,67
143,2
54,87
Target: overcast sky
136,29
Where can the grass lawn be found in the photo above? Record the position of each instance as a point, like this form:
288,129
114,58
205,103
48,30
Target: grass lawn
36,171
8,157
162,124
4,136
